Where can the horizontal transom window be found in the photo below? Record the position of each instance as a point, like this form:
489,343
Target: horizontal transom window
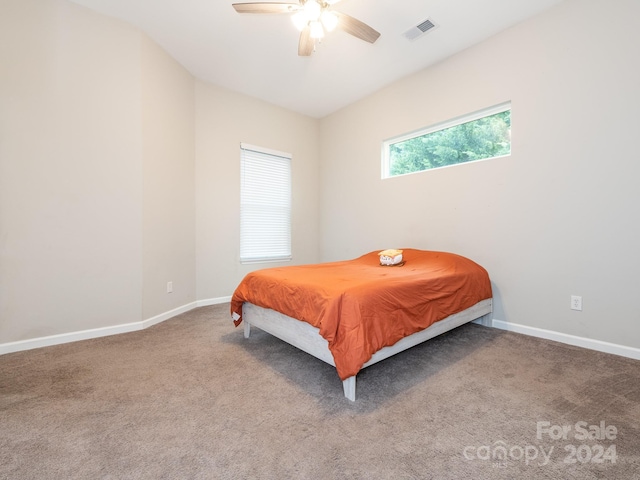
477,136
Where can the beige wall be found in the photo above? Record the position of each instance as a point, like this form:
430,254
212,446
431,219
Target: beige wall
168,216
70,171
96,173
223,120
559,216
119,172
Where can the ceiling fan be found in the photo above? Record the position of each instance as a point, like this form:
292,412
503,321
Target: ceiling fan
312,18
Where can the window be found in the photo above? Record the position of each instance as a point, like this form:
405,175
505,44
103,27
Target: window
478,136
265,205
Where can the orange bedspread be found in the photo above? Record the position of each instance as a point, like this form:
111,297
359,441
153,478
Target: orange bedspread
359,306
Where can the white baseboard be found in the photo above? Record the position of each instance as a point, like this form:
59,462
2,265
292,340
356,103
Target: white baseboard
167,315
30,344
48,341
213,301
589,343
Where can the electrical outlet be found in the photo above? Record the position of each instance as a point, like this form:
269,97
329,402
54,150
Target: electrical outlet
169,287
576,302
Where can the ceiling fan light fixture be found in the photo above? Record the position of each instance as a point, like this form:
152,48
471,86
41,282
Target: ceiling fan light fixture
312,9
300,20
313,18
317,31
329,20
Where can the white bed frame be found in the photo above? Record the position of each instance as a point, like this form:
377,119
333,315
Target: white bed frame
307,337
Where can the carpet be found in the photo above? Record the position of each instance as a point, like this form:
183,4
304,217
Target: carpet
190,398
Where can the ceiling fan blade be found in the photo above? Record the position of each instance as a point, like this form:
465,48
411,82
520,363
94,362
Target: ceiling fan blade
305,45
357,28
266,7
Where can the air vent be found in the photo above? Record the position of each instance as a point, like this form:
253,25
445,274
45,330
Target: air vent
419,29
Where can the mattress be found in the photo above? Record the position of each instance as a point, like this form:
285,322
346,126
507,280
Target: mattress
360,306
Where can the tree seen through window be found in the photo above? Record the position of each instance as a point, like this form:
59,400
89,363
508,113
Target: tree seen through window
479,139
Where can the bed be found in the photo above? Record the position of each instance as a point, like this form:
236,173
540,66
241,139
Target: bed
355,313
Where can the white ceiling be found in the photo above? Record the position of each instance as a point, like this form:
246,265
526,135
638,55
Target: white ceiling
257,54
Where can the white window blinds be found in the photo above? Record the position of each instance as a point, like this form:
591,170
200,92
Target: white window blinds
265,205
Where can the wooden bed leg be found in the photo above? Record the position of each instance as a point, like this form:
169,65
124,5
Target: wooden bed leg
486,320
349,386
247,329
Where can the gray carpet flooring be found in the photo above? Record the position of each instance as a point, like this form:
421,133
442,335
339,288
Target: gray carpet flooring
192,399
